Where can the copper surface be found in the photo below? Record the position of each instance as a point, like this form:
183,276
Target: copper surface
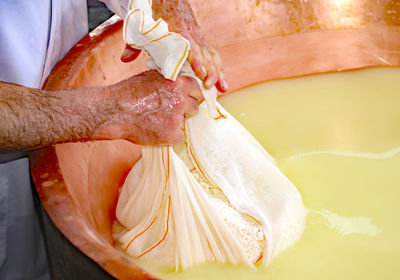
258,40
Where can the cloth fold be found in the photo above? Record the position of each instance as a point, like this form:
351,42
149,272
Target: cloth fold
168,50
178,222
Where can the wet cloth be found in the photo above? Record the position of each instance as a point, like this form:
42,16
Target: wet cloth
168,216
34,35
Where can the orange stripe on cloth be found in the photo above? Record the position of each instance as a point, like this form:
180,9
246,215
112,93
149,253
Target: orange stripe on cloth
157,39
259,259
130,5
134,238
151,29
165,234
142,22
127,20
220,114
159,208
180,60
201,170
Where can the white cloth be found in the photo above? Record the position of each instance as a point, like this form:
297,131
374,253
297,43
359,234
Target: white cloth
170,219
232,159
222,151
168,50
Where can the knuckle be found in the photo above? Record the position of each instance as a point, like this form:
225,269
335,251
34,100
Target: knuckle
213,74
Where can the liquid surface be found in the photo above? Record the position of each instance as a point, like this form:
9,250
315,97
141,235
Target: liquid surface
337,138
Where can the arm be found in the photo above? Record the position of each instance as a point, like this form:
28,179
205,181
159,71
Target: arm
145,109
204,59
120,7
32,118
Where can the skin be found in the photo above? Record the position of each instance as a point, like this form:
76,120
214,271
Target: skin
205,60
144,109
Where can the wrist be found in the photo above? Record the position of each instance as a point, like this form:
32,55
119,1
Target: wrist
100,109
83,110
116,108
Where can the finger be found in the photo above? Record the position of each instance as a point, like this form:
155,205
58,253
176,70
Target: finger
129,54
212,74
171,133
193,89
196,61
178,137
221,84
221,87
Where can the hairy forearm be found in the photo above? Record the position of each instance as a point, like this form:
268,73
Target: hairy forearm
204,59
178,14
31,118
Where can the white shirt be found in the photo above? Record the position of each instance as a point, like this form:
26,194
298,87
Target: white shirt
35,35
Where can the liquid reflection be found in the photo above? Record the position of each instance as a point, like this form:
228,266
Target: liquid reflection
325,35
348,225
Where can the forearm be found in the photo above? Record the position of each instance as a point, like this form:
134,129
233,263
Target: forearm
205,60
31,118
179,16
120,7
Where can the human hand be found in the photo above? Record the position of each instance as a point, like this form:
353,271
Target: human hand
148,109
205,60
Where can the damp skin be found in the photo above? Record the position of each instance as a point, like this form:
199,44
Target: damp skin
150,109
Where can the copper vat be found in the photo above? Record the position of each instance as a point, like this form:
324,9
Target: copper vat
258,40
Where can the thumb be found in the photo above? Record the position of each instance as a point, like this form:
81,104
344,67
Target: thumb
129,54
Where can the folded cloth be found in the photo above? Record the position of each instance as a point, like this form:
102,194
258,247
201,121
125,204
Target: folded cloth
167,214
229,157
168,50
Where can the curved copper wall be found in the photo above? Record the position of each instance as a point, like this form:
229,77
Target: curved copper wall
258,40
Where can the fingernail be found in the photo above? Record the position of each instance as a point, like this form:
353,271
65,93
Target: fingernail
125,56
124,53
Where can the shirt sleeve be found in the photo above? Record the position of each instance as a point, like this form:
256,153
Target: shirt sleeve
120,7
